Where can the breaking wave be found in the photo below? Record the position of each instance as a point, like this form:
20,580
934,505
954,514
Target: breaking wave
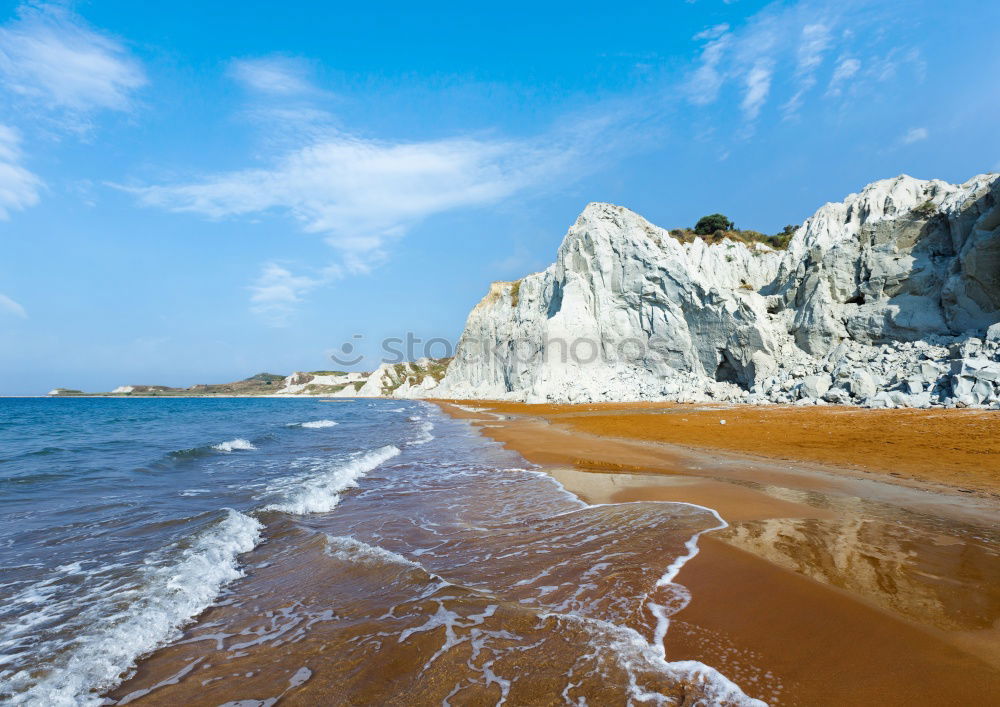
424,431
348,549
234,445
319,492
314,424
121,617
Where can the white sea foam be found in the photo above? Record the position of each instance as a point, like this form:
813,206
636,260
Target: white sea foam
348,549
320,492
120,624
637,655
659,611
233,445
314,424
424,436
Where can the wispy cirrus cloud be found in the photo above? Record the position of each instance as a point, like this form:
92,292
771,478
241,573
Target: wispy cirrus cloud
709,76
52,61
11,307
360,193
914,135
277,291
275,75
783,50
846,69
19,188
813,43
55,72
758,85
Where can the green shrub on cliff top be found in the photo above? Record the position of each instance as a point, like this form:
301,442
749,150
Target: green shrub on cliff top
708,225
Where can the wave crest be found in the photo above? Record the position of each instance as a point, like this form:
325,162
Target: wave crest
314,424
320,493
167,595
233,445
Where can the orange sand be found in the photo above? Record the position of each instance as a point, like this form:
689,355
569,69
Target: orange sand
958,448
826,589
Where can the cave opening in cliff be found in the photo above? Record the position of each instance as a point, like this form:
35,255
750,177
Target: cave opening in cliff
726,371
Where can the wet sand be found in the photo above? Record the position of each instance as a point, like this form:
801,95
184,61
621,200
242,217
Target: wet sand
959,448
450,574
861,565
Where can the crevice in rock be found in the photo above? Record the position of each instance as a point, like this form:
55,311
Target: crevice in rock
726,372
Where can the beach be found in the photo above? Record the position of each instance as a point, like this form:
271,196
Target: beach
254,551
860,565
263,551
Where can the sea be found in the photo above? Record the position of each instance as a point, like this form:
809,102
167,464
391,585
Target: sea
250,551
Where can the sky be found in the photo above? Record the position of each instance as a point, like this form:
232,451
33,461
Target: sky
196,192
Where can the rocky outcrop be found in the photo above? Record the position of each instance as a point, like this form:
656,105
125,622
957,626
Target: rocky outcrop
889,298
414,379
328,384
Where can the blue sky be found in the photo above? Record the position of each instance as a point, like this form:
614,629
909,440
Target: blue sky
196,191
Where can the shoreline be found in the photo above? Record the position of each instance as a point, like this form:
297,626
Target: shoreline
884,578
956,449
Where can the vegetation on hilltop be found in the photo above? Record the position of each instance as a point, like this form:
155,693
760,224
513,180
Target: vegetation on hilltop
716,228
708,225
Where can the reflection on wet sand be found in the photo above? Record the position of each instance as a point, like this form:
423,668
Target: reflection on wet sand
919,568
927,565
928,569
470,585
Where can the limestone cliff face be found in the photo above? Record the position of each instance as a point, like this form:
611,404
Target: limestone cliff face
902,260
883,299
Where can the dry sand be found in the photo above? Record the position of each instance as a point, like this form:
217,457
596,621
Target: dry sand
861,565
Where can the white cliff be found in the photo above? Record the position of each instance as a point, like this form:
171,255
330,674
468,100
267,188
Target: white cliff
334,384
414,379
886,299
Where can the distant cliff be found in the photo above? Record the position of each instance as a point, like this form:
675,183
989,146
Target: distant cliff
889,298
412,379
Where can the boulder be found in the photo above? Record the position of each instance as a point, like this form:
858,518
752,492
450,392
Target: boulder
814,386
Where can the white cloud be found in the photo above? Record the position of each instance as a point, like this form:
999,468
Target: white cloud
758,85
358,193
713,32
54,70
745,56
18,187
277,291
49,57
11,307
272,75
914,135
815,40
708,78
781,50
846,69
